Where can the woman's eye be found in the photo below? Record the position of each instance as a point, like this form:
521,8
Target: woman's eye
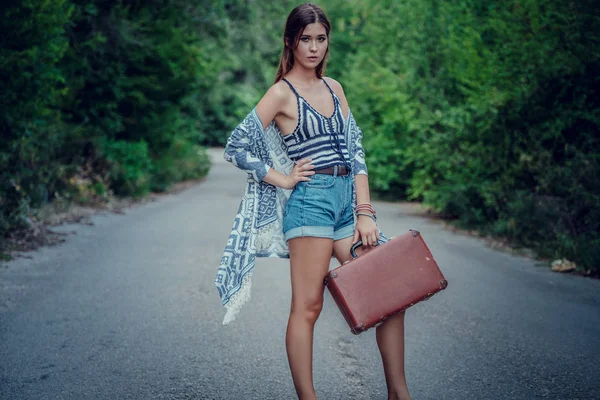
321,39
304,39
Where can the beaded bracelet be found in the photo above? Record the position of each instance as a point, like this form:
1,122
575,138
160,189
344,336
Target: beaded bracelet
374,218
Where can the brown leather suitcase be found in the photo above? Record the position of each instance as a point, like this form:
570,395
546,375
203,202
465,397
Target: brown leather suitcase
384,281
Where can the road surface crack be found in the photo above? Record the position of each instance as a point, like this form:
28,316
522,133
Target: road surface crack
351,369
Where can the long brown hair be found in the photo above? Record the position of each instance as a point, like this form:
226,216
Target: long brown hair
302,15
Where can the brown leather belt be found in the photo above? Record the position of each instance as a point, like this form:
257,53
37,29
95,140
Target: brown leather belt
342,170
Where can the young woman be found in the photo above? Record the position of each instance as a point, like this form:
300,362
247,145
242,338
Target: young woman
302,137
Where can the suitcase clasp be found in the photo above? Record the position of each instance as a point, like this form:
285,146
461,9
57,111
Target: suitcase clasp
357,330
326,279
414,232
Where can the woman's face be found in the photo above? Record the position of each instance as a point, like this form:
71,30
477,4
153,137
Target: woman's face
312,46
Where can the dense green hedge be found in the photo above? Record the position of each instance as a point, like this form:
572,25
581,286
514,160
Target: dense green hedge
486,111
100,96
32,133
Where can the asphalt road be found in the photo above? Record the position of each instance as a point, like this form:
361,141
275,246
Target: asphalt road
126,309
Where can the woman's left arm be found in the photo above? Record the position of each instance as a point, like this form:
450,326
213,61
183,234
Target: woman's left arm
366,227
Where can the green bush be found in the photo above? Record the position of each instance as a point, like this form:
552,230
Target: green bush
94,94
182,161
129,165
487,112
33,41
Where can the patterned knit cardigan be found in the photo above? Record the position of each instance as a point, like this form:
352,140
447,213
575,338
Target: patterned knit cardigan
257,228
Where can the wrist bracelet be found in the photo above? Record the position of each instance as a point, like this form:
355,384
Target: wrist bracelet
367,215
365,207
372,212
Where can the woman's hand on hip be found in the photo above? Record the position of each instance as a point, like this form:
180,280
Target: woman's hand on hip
366,230
301,172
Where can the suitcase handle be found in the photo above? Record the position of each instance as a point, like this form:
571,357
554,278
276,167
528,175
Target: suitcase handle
354,247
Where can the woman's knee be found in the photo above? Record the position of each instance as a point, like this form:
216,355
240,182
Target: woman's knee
308,309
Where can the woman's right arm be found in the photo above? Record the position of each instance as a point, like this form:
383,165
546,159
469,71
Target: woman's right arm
267,109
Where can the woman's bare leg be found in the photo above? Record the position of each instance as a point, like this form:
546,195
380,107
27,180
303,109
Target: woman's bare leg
390,339
309,260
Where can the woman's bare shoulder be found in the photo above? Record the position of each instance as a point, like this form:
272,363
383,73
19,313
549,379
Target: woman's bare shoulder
276,96
278,91
273,102
339,91
335,85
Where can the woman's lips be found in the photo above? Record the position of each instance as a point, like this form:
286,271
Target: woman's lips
313,58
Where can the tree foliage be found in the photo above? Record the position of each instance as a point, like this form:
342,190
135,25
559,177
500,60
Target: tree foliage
31,130
100,96
485,111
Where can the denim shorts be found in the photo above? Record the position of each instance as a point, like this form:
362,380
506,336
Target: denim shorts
320,208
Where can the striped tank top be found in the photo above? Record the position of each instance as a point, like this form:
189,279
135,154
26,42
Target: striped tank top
316,136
